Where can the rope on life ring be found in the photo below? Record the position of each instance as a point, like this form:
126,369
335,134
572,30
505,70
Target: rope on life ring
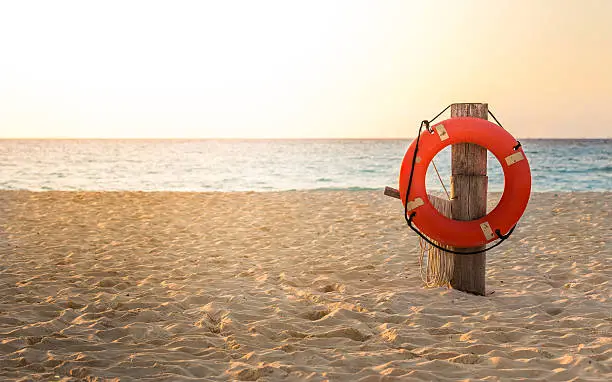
421,215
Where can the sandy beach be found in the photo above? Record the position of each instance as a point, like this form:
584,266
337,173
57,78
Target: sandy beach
292,286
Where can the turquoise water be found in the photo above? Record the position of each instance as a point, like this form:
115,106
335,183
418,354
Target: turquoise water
271,165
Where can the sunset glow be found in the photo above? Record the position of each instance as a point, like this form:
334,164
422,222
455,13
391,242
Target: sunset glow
287,69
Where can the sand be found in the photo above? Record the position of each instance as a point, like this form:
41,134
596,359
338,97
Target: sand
292,286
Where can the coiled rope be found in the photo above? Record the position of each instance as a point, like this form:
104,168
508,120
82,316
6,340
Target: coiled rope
436,266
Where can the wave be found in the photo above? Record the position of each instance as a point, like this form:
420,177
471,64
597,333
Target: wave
604,169
354,188
272,166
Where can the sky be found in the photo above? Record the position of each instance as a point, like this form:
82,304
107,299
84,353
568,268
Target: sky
301,69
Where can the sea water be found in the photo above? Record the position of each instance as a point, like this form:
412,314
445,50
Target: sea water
273,165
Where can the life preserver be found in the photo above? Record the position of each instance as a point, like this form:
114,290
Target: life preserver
517,182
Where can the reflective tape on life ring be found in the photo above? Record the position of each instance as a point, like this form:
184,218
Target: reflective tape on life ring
517,182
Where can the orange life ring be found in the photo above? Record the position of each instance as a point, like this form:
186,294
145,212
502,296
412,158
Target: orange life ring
517,182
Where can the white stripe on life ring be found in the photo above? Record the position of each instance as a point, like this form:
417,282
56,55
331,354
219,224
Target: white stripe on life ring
441,130
486,229
417,202
516,157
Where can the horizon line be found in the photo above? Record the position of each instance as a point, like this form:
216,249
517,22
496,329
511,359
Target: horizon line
253,139
271,139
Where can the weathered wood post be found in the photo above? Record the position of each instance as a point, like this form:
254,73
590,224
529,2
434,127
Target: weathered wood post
469,200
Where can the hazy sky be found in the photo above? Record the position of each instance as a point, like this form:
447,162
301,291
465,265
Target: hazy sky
301,69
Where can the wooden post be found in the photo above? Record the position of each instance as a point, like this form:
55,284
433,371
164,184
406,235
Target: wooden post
469,200
392,192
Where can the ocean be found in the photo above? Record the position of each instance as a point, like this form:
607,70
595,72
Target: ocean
273,165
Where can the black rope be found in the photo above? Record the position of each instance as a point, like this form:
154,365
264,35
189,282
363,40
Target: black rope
416,150
497,232
518,143
426,124
491,114
440,113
